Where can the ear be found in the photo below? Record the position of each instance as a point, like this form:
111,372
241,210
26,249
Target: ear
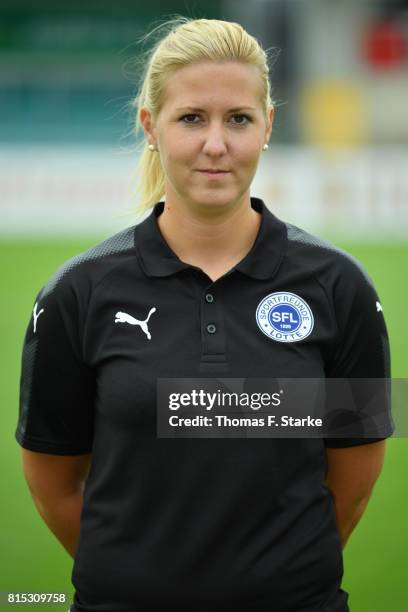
146,120
271,115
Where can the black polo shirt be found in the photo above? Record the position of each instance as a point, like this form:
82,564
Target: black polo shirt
196,524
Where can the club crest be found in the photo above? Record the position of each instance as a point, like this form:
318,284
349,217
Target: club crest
284,317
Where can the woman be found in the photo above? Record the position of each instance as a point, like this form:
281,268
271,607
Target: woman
202,524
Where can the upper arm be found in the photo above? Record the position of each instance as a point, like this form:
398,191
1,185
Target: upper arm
359,406
54,475
57,387
353,471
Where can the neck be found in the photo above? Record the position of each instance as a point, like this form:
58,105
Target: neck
210,237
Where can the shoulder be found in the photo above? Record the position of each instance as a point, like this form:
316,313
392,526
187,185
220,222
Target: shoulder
86,269
346,283
324,259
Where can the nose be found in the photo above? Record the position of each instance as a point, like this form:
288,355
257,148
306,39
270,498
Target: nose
215,140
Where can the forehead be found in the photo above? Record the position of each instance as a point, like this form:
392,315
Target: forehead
213,83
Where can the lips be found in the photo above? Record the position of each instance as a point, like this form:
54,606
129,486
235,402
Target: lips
213,170
214,175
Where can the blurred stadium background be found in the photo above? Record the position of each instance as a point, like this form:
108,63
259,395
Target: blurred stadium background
337,166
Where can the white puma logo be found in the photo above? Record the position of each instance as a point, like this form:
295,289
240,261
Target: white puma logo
36,315
123,317
379,307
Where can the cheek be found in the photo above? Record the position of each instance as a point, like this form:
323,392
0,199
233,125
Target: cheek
249,157
247,149
180,153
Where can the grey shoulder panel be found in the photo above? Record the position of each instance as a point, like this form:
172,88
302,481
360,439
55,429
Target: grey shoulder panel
298,235
26,382
120,242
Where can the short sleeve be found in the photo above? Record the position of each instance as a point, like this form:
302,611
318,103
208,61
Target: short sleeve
56,387
361,355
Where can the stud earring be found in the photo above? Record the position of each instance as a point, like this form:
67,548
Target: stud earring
151,147
265,147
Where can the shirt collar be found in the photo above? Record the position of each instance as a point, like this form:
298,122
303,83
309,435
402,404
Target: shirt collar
261,262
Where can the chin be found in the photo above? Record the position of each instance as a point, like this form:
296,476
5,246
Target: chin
214,198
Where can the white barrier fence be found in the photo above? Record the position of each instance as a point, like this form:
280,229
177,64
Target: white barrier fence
66,190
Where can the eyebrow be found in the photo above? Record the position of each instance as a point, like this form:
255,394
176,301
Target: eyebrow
201,110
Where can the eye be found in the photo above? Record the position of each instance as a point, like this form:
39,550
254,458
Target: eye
241,116
189,115
246,119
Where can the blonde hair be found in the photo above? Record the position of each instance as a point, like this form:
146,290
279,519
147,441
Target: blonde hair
188,41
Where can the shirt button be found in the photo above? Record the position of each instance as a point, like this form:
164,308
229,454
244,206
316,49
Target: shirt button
209,298
211,328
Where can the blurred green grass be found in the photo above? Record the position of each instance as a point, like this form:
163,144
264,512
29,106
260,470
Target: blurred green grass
33,560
